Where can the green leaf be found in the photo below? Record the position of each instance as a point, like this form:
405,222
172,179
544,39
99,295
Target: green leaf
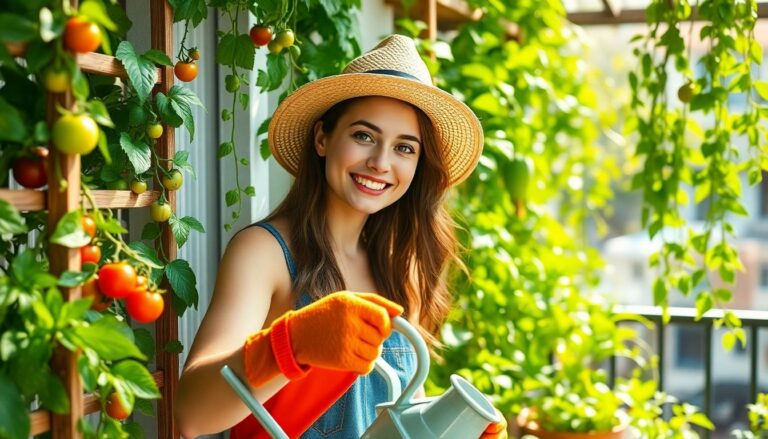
174,346
182,100
141,71
225,149
73,310
53,395
277,69
148,254
193,224
69,231
182,280
250,191
195,10
112,225
729,340
14,27
659,292
139,153
704,303
167,113
180,230
151,231
723,295
134,429
11,220
762,89
232,197
145,342
12,127
137,379
107,338
100,114
158,57
14,417
97,13
71,279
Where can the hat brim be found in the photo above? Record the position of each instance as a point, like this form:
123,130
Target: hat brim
457,129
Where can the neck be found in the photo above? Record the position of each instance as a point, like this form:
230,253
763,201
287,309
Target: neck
345,227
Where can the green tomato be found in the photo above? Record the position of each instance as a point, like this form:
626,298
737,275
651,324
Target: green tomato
173,180
232,82
56,80
160,211
138,186
154,131
685,92
295,52
75,134
518,178
274,47
285,38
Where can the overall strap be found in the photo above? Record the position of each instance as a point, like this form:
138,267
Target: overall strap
286,251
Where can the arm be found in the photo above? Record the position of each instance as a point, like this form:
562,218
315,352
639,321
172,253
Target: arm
244,301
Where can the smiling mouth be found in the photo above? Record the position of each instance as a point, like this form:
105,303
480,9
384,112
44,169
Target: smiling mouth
370,185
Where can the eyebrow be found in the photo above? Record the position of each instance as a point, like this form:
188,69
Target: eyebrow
378,130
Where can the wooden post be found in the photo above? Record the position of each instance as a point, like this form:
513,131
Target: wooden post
429,16
60,201
166,328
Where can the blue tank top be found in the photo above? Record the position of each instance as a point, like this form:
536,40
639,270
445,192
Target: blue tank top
355,411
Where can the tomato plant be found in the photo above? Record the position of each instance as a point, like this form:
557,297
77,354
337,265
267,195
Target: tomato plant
90,254
81,36
30,172
138,187
99,301
116,408
173,180
154,131
185,71
144,306
160,211
56,80
75,134
89,225
117,279
260,35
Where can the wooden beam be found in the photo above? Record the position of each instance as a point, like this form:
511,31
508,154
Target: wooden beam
40,420
167,326
611,8
28,199
636,16
450,14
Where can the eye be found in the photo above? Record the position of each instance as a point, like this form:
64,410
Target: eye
406,148
362,135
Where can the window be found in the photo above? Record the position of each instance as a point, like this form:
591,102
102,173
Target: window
764,277
764,195
689,351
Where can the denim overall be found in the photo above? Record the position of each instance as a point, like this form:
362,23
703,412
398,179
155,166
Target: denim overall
355,411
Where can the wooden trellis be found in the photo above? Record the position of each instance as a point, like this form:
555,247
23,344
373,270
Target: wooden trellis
58,202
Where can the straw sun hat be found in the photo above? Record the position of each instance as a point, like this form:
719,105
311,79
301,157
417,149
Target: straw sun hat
392,69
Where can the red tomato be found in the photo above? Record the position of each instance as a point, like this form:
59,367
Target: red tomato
260,35
185,71
117,280
90,253
81,36
100,302
30,172
89,225
144,306
115,407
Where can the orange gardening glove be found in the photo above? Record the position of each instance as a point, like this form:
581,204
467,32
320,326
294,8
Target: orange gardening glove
341,331
497,430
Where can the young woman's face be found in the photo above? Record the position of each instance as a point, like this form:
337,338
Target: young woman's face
372,153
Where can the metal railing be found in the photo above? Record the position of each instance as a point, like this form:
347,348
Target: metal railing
751,321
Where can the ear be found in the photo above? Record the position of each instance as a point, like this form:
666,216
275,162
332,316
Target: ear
319,139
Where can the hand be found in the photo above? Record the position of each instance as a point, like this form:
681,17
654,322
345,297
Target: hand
342,331
497,430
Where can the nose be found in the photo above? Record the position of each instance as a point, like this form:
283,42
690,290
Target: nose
379,160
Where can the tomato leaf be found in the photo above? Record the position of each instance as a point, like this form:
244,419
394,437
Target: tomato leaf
11,221
137,379
14,27
182,100
53,395
182,280
141,70
235,50
174,346
12,127
107,337
70,279
181,160
97,13
151,231
138,153
99,113
158,57
149,257
195,10
145,342
14,418
69,231
179,229
167,113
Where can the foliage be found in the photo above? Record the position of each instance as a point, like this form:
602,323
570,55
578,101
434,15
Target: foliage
698,140
758,420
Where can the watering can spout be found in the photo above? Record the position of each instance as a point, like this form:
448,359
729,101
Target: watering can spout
458,411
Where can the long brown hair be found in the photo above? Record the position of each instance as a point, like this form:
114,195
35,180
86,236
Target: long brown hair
410,243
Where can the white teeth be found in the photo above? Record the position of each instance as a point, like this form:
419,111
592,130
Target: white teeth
370,184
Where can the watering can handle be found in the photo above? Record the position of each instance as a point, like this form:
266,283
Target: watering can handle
422,364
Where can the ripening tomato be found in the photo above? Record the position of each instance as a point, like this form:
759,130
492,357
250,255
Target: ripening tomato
100,302
138,187
173,180
30,172
90,253
115,407
285,38
89,225
185,71
154,131
81,36
274,47
56,80
260,35
194,53
117,279
160,211
144,306
75,134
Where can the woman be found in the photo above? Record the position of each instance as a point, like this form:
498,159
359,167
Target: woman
374,151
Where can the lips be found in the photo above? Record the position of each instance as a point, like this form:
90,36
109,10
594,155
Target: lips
369,184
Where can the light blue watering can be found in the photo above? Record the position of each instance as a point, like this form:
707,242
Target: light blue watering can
462,412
